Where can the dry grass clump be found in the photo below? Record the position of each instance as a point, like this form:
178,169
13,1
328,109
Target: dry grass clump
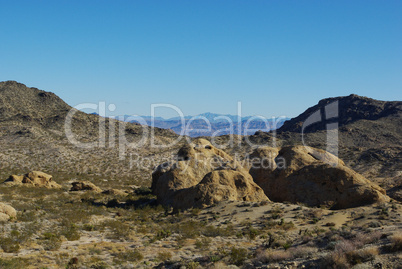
347,253
362,255
362,239
50,241
128,256
270,256
116,229
13,263
396,241
164,256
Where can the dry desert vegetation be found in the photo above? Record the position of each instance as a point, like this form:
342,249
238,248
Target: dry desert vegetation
67,207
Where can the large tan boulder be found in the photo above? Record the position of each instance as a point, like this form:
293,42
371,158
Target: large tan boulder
217,186
7,212
84,186
313,177
202,176
33,179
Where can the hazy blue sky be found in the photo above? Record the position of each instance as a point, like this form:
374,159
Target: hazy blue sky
276,57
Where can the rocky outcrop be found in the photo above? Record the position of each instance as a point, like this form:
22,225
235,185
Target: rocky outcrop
300,174
84,186
203,175
217,186
7,212
33,179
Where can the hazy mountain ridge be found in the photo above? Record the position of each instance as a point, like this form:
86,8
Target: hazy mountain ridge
212,124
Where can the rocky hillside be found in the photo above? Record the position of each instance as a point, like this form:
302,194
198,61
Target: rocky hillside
351,109
32,137
369,136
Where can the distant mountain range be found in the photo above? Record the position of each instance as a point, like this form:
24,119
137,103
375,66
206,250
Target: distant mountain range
211,124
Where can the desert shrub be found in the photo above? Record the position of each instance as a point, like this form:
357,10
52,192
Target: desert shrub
9,244
13,263
161,234
238,255
203,243
212,231
362,239
396,241
88,227
252,233
362,255
269,256
286,225
26,216
195,211
192,265
70,231
143,191
164,256
188,229
118,229
12,243
50,241
128,256
302,251
99,265
348,252
287,245
335,260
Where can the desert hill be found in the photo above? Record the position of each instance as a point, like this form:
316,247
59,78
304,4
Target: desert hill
32,137
351,109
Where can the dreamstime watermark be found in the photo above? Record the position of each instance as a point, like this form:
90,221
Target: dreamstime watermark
114,131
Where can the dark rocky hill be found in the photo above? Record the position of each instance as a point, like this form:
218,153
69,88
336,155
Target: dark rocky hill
351,109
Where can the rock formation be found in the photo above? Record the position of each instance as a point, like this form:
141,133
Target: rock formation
300,174
7,212
203,175
84,186
34,179
115,192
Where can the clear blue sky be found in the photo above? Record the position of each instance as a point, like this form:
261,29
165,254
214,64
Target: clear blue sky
276,57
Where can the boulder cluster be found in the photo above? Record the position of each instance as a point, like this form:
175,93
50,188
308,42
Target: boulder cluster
204,175
33,179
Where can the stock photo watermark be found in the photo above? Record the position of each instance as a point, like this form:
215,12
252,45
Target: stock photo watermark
113,131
